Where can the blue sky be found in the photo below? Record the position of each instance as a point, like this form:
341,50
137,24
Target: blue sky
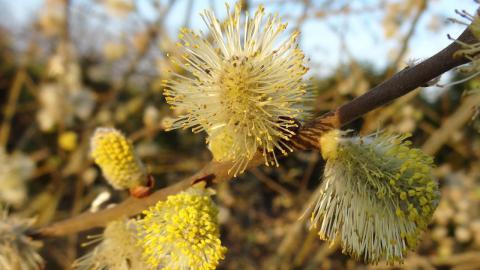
364,37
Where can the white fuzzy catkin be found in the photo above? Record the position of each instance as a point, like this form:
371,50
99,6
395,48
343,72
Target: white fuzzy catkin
244,86
377,195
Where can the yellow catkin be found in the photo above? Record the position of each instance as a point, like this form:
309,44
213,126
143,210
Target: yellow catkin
182,232
377,196
115,155
245,86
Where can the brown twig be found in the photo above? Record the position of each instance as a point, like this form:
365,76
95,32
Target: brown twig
422,6
451,124
307,137
270,183
215,172
400,84
9,111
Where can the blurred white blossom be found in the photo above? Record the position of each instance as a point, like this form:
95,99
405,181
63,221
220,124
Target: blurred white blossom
117,250
17,250
15,169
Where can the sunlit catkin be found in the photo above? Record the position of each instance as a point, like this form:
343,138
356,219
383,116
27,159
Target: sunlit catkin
244,86
115,155
182,232
377,195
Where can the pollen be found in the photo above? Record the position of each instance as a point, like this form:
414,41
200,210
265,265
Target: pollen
115,155
245,84
182,232
377,197
328,144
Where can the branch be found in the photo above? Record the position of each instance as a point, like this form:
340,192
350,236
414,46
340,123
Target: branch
406,39
400,84
10,107
453,123
213,172
307,138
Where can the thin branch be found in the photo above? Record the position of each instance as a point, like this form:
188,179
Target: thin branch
453,123
400,84
213,172
154,31
406,40
307,138
11,106
270,183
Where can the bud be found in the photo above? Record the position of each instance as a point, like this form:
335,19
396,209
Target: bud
377,196
182,232
115,155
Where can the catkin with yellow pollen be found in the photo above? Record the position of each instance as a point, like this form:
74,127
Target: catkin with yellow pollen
182,232
244,87
115,155
377,195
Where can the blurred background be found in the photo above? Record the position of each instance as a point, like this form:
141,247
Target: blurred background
69,66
